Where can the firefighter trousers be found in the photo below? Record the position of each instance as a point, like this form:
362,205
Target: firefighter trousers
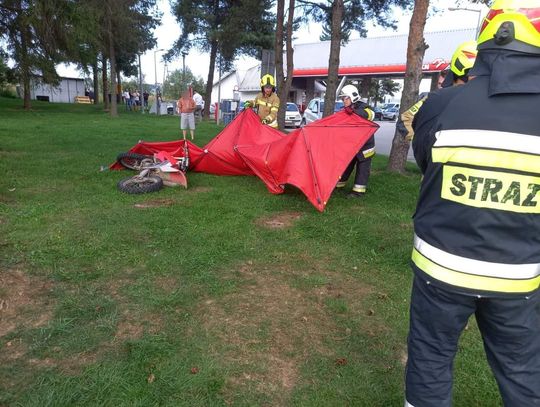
510,329
363,169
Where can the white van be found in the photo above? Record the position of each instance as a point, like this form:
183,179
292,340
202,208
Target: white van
315,109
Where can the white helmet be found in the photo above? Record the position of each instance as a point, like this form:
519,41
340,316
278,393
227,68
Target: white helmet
351,92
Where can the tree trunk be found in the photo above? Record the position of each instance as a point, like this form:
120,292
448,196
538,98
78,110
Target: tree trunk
289,50
210,79
25,67
278,51
333,61
112,59
24,64
310,89
416,49
105,83
95,80
118,84
365,87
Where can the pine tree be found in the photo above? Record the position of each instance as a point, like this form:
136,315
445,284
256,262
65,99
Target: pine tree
340,18
37,38
226,27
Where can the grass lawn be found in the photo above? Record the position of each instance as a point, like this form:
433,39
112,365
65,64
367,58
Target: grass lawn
221,294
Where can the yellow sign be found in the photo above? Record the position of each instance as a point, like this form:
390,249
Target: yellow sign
491,189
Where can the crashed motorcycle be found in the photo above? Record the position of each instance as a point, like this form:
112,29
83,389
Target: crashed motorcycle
154,171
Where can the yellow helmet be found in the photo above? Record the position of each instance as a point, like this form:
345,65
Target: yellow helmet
463,58
268,80
512,25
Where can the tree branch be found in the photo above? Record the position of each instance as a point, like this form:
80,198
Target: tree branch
310,3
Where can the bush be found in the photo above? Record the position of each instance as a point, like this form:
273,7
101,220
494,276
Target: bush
8,92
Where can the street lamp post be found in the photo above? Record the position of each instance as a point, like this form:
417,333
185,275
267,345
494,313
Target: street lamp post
474,10
184,53
158,102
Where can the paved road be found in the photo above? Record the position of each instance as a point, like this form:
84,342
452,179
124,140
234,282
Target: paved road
384,137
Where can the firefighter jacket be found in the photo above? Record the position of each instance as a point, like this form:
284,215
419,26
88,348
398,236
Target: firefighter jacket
477,222
362,109
267,108
404,123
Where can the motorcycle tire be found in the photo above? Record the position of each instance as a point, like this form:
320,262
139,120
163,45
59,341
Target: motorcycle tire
140,185
134,161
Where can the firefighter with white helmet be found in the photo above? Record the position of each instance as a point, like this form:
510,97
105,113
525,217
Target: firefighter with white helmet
477,221
353,104
266,103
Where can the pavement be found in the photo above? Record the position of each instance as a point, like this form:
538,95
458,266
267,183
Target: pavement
384,137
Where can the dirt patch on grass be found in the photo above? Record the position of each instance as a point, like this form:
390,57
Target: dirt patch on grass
72,365
25,301
12,350
154,203
199,189
280,220
133,323
269,329
166,284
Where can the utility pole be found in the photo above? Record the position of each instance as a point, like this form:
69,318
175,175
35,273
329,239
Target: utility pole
141,91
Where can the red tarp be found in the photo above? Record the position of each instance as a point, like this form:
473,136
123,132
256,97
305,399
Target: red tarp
311,158
219,155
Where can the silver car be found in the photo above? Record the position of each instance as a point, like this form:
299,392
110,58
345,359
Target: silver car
315,110
390,114
293,118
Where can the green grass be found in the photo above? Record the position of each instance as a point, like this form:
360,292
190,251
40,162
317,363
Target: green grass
195,303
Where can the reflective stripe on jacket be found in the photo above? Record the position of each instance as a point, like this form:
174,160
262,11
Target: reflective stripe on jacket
362,109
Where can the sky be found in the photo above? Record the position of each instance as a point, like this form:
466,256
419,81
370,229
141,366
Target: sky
198,63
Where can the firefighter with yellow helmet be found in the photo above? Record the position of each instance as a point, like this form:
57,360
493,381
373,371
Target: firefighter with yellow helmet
266,103
458,74
477,221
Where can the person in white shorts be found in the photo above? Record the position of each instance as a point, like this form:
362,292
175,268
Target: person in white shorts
186,107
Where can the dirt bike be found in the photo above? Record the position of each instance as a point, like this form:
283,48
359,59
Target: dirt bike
154,173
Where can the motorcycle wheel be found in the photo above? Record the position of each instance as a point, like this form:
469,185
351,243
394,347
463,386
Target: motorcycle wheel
140,185
134,161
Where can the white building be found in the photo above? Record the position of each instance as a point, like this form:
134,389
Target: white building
378,57
64,92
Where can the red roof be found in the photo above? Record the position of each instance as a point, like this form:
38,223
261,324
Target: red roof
435,66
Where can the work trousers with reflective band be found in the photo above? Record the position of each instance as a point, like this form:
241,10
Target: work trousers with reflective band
363,169
510,329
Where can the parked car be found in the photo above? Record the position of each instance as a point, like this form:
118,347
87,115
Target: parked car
378,113
390,114
292,116
315,109
387,106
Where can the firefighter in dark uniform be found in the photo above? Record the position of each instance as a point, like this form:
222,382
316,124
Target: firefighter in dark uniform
351,99
477,222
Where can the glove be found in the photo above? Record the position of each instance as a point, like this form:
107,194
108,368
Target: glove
265,121
247,105
349,110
